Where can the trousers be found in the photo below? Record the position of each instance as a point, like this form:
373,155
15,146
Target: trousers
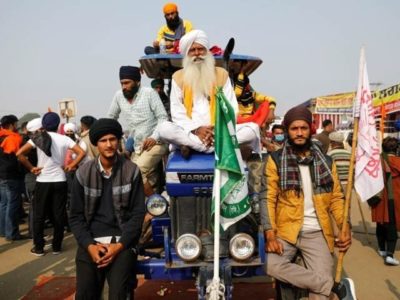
316,276
147,161
120,275
10,202
246,133
50,199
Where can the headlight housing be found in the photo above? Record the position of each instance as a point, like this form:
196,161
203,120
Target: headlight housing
188,247
241,246
156,205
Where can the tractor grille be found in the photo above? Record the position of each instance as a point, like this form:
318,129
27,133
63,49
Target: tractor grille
189,215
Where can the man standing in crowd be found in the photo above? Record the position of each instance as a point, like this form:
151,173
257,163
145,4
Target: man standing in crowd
86,123
193,94
172,32
107,221
323,137
277,139
10,179
386,213
158,86
51,184
300,190
340,156
143,111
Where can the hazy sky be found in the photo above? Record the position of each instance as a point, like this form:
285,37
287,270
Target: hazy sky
57,49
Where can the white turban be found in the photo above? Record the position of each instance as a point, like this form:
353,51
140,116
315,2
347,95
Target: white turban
194,36
70,127
34,125
336,136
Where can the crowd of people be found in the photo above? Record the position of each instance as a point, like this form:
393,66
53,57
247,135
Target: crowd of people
104,182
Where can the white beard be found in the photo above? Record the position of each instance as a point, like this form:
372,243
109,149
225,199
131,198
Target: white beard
199,75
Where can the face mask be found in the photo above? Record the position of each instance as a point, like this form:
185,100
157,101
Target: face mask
279,137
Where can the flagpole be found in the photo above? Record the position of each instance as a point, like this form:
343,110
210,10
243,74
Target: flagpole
349,189
217,222
350,184
214,288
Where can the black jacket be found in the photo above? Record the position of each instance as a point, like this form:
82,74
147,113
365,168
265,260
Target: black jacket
128,200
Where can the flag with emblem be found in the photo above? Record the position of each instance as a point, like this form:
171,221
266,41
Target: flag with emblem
234,198
368,171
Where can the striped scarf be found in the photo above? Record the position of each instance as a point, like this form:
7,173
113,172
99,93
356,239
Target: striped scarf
289,171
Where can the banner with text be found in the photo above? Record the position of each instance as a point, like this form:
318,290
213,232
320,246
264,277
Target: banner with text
343,103
389,98
335,104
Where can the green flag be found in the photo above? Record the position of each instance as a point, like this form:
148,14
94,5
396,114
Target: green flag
235,203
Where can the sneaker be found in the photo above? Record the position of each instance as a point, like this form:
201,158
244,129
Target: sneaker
391,261
345,289
382,253
37,252
56,251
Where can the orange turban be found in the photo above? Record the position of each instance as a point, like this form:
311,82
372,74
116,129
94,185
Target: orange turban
170,8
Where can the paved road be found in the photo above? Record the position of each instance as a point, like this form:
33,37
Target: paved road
20,271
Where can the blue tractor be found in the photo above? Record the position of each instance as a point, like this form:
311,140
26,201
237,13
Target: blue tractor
182,239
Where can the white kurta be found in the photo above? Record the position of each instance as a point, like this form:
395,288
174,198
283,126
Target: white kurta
201,107
179,131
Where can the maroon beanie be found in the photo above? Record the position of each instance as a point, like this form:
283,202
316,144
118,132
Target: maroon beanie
297,113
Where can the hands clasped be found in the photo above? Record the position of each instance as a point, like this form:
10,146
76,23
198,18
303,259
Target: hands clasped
103,254
206,135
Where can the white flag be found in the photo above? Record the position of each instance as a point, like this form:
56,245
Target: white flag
368,172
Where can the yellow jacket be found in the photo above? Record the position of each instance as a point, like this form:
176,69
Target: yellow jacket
248,110
284,211
258,99
165,33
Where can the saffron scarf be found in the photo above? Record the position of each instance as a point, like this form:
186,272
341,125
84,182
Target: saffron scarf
188,102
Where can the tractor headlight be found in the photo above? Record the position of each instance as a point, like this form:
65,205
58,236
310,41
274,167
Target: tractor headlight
156,205
241,246
188,247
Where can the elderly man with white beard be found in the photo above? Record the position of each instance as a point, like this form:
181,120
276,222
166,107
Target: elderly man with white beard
193,100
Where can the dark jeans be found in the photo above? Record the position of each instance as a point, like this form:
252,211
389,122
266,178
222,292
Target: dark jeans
386,233
120,275
49,197
10,201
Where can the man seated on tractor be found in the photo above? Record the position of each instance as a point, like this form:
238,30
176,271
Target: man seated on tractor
193,100
171,33
253,106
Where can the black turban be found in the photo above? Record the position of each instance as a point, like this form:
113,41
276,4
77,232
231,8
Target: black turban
88,120
129,72
156,82
103,127
50,121
297,113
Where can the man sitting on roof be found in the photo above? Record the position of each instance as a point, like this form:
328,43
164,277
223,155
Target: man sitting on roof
172,32
253,106
193,100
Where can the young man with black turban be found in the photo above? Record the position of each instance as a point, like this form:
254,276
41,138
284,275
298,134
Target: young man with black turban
300,190
106,216
144,112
